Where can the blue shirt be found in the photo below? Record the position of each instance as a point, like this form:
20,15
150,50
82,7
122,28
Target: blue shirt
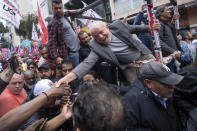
186,55
162,100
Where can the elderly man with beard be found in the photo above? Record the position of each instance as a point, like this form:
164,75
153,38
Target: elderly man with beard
118,44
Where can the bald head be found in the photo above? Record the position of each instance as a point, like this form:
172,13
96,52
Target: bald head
100,32
28,72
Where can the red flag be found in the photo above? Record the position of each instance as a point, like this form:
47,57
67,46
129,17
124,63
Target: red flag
44,33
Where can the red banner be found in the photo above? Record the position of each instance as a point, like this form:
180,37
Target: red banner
44,33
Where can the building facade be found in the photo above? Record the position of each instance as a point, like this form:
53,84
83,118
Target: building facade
187,10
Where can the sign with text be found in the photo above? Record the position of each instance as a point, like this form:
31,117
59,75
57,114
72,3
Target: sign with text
9,12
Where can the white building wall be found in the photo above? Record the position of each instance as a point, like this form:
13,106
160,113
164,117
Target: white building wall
25,7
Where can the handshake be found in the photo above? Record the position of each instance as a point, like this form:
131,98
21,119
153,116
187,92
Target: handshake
62,90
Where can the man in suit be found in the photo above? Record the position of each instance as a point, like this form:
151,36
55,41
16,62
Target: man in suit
117,44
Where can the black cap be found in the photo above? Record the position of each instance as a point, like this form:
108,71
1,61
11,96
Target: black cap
160,72
57,1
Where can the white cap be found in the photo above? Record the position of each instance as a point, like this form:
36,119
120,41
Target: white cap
42,86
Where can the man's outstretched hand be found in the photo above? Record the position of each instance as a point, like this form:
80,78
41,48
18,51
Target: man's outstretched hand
58,91
66,79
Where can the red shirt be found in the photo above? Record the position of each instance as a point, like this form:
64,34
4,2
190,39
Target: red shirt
9,101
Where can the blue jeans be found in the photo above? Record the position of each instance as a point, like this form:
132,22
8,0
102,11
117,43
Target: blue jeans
74,57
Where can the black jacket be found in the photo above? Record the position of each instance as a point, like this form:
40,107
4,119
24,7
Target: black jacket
146,113
167,35
185,95
3,85
84,51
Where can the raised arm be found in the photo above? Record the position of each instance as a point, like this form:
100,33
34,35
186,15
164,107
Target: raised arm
16,117
5,77
81,69
57,121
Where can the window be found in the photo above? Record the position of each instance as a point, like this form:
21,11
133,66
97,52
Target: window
123,6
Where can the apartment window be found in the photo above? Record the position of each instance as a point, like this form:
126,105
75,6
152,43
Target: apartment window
123,6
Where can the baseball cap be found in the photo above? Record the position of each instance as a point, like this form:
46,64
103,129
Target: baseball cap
58,1
42,86
157,71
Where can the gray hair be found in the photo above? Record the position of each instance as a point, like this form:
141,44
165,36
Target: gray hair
97,24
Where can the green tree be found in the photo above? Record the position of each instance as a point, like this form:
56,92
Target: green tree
3,29
25,27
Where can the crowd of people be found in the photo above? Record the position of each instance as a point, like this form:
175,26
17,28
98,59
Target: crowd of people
105,80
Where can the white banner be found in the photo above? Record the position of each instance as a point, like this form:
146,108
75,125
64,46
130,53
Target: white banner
43,8
9,12
89,13
34,35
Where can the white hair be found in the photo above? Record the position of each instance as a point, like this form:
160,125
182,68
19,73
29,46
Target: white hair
97,24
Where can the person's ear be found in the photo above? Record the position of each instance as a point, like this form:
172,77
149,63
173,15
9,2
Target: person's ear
147,82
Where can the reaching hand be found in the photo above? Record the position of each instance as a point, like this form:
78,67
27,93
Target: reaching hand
65,100
67,79
58,91
156,25
66,110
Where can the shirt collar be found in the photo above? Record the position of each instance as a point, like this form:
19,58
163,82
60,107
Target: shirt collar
158,96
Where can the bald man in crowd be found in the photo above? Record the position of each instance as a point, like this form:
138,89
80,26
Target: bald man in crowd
30,80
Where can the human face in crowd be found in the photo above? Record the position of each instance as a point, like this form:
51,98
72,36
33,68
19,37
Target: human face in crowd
166,13
31,68
189,34
101,34
30,79
58,73
161,89
58,9
45,73
66,69
45,53
84,38
88,78
16,84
